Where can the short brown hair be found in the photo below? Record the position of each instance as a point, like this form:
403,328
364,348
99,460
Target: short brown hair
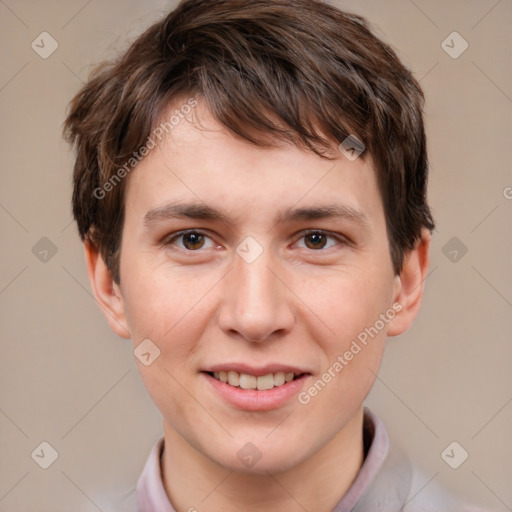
295,70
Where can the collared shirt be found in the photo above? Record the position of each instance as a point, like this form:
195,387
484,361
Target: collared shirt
386,482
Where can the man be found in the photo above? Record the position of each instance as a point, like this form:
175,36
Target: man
250,186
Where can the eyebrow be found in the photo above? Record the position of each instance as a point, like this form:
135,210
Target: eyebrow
184,211
329,211
204,212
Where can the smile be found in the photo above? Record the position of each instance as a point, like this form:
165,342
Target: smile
255,389
246,381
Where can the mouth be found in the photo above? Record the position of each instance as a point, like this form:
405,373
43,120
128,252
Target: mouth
255,389
248,381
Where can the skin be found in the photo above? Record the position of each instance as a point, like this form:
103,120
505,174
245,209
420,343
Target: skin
301,302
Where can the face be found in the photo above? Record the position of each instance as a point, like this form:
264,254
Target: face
239,262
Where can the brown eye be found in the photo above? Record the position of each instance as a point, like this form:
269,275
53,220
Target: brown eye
315,240
319,240
192,241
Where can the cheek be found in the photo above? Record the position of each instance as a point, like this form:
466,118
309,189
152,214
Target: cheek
351,333
168,310
351,305
164,304
345,304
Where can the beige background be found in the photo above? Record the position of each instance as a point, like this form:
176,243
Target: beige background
66,379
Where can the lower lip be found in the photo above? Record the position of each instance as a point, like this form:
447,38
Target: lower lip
254,399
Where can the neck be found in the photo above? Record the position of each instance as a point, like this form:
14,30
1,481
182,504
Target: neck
194,482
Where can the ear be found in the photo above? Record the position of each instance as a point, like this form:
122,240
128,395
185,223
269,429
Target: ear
106,291
409,285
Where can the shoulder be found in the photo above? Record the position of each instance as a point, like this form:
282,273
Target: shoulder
398,485
427,495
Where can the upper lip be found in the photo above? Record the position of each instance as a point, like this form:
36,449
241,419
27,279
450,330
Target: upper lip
257,371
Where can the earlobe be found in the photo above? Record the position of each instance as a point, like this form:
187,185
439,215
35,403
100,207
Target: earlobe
106,291
409,285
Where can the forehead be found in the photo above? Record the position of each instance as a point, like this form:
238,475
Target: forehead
201,160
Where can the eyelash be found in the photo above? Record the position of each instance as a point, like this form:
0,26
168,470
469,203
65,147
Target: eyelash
175,236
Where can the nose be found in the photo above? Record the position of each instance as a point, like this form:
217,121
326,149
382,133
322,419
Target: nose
256,304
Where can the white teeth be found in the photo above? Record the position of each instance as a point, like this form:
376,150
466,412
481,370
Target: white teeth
246,381
265,382
279,379
233,379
